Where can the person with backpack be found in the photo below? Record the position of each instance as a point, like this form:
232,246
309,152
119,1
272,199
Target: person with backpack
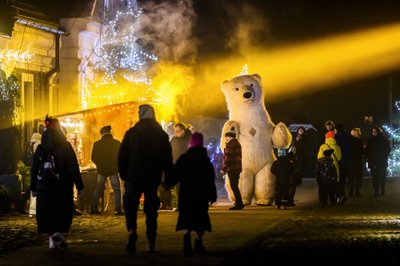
54,172
330,144
326,175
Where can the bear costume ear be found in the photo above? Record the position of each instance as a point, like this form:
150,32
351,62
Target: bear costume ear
257,77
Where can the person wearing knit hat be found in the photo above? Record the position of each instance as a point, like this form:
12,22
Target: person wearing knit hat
231,133
105,157
330,134
232,165
196,175
330,144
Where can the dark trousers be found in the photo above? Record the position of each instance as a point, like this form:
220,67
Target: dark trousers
234,183
342,182
326,191
292,192
282,193
378,179
132,196
355,177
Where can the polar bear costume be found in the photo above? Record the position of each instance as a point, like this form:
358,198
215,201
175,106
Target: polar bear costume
257,134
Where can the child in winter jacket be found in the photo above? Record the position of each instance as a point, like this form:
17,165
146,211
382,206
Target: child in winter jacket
283,169
326,175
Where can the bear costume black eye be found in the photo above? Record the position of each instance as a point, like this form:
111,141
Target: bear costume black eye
251,84
237,89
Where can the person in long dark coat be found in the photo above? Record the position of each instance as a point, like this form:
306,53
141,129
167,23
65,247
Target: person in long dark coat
343,140
356,163
377,152
54,205
300,163
196,175
144,155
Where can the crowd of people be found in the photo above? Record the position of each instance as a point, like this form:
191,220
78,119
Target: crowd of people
339,168
149,163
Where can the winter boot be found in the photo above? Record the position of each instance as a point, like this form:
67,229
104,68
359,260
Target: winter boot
198,246
151,244
131,246
187,244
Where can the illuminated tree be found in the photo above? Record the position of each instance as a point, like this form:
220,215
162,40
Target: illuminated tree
10,99
122,63
394,136
10,104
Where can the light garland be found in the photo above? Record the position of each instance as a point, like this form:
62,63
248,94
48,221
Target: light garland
394,135
118,49
245,70
121,70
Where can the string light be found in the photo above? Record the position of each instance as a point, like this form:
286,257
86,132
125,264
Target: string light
245,70
394,136
120,73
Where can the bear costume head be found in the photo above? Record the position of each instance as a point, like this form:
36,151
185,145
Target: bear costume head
243,90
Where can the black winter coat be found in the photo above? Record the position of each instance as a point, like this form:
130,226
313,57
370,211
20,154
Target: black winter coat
54,204
377,151
145,153
356,161
105,155
196,175
283,169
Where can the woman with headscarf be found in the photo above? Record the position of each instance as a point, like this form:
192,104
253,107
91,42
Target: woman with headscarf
54,206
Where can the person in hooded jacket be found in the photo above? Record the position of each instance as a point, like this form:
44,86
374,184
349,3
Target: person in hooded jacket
144,155
330,144
377,153
196,176
54,204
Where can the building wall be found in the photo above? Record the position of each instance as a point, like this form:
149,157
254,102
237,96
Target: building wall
72,57
39,46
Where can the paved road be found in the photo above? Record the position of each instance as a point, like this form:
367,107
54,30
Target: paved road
365,231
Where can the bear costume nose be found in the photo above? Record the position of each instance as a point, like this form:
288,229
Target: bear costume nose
247,95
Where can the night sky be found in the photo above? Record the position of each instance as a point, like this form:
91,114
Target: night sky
288,23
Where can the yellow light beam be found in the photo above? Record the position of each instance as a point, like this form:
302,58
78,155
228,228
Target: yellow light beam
316,64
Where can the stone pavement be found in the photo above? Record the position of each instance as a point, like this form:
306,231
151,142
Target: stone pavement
364,231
